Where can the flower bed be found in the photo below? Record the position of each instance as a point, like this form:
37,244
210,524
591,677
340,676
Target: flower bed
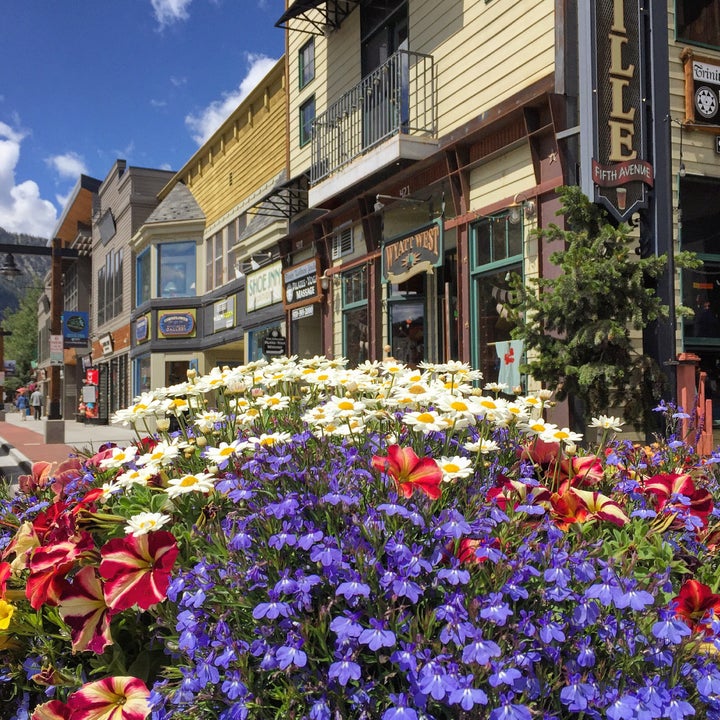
377,542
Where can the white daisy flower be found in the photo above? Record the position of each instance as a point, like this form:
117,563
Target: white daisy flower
119,457
538,426
561,435
483,446
265,440
278,401
206,421
162,454
455,467
136,477
426,421
607,422
222,453
200,482
145,522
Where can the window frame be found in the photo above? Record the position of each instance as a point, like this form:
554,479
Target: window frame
681,36
496,265
350,306
303,64
305,135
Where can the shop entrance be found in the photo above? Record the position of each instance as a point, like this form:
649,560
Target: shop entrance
408,321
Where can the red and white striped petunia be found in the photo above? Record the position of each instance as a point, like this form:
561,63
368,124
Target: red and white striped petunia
137,569
82,606
114,698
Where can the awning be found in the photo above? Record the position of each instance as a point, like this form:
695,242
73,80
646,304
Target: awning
285,200
316,16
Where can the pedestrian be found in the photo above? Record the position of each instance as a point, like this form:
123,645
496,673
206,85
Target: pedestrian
22,405
36,401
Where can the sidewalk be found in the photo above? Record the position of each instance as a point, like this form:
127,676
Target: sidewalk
25,441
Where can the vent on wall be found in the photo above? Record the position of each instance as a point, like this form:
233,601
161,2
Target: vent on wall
342,242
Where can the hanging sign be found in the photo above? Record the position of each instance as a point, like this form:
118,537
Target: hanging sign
409,255
301,284
75,329
621,173
56,349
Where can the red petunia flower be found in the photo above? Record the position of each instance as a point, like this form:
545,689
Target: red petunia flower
666,488
5,570
53,710
137,569
114,698
695,603
82,606
410,472
49,566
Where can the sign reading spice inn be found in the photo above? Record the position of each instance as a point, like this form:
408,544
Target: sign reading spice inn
409,255
620,172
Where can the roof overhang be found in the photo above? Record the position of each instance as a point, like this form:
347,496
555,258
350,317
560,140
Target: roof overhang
316,17
285,200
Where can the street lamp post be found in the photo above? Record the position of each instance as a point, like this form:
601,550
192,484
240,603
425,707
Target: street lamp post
3,335
54,430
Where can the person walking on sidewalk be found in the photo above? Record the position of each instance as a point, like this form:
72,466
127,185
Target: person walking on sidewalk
36,402
22,405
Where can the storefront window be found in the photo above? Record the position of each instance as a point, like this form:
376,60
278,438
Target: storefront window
142,275
497,255
355,316
256,338
141,379
176,262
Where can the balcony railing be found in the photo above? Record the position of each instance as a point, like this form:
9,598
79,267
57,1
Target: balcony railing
397,98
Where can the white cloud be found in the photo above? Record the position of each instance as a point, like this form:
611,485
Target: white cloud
169,11
70,165
22,210
203,124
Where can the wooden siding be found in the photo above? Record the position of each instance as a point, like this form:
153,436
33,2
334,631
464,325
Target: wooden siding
483,54
245,154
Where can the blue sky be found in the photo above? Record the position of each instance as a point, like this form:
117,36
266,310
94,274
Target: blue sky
85,82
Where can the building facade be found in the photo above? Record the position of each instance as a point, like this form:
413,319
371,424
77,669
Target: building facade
206,265
125,200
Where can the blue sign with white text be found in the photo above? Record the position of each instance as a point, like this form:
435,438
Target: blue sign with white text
75,328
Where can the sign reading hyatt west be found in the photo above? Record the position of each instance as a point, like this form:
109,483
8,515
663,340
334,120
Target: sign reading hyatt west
620,171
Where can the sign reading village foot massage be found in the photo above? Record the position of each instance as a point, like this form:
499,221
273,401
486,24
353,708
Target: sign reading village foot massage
615,113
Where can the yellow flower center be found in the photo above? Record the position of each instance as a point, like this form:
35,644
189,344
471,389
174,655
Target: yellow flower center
189,481
459,406
451,467
425,418
345,405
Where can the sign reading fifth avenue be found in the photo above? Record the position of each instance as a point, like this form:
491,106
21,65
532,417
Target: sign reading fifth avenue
409,255
620,171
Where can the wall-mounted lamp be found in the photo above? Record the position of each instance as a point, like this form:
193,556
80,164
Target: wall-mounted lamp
325,281
521,205
379,204
256,261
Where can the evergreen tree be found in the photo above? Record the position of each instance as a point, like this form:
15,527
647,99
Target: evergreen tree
580,329
21,346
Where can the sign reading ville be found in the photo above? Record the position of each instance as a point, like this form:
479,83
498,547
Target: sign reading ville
620,171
